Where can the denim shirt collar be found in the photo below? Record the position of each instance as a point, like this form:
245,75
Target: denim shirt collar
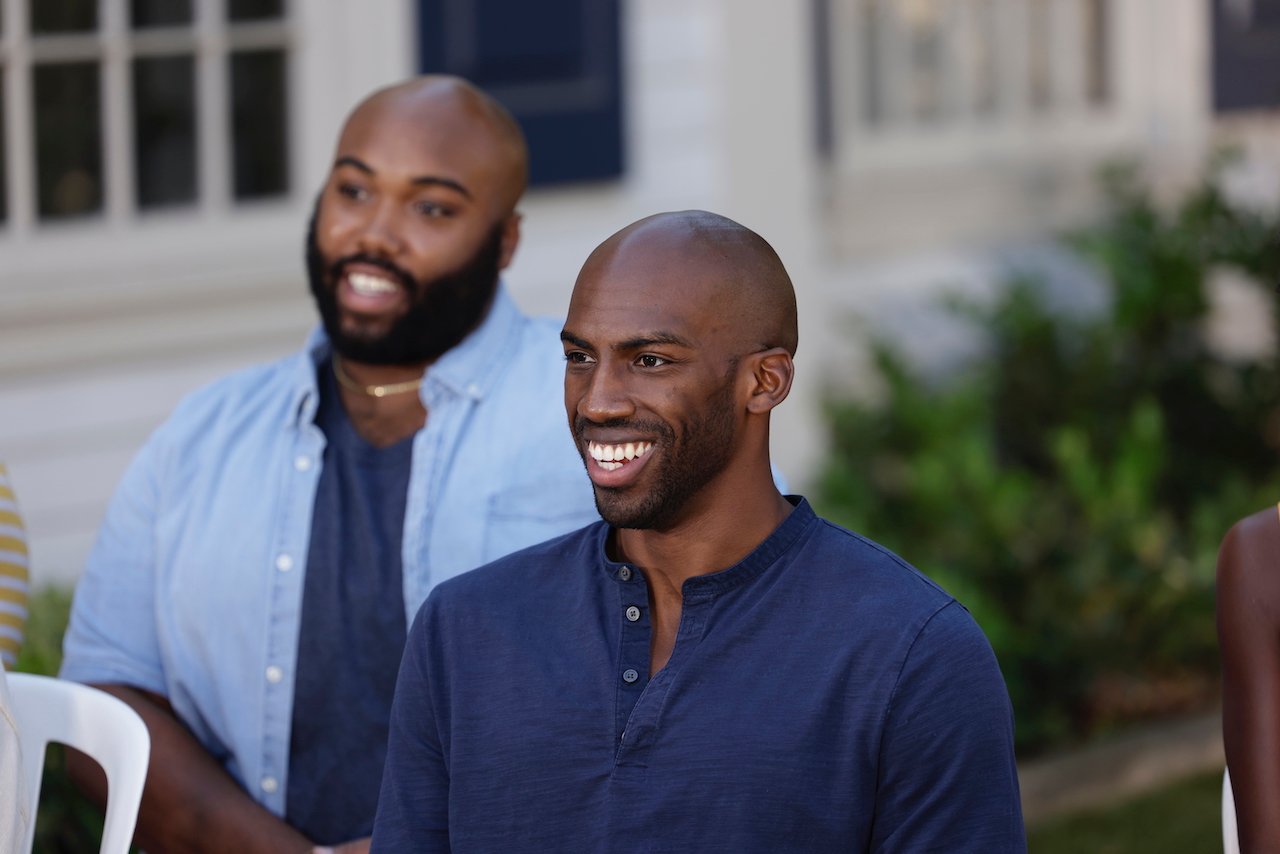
469,369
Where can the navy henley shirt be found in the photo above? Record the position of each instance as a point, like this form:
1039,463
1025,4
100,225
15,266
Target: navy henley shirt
822,695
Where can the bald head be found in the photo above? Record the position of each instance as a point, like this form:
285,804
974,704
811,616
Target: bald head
451,114
713,261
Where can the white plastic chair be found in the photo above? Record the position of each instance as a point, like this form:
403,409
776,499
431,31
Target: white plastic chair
94,723
1230,836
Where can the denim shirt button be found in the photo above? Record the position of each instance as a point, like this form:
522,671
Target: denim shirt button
633,613
629,676
274,674
302,463
269,784
284,563
625,573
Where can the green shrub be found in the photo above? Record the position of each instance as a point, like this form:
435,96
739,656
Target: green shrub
1072,485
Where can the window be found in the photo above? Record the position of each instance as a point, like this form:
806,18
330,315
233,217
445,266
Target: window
1246,54
553,63
114,108
1001,109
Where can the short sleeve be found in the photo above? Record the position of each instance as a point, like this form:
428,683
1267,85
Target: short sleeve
948,779
112,636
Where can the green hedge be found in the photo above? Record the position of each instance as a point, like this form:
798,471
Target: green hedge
1072,485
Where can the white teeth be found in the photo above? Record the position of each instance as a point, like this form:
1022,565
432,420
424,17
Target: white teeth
611,457
369,285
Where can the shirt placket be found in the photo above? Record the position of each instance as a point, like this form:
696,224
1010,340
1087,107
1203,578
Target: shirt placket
633,653
287,563
641,698
433,448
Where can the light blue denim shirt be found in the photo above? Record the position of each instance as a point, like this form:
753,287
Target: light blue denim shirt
194,587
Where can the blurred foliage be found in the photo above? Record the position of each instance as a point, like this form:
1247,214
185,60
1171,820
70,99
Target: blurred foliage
1071,486
66,821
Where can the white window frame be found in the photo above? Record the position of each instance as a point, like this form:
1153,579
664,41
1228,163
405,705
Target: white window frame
210,40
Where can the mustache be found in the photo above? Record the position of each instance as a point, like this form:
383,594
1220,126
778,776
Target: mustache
639,425
403,276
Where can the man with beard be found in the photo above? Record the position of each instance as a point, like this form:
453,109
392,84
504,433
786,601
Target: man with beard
713,667
249,589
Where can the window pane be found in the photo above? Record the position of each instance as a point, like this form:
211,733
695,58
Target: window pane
254,10
62,16
258,123
68,139
164,130
160,13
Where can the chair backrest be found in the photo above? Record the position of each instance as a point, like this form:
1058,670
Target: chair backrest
94,723
1230,836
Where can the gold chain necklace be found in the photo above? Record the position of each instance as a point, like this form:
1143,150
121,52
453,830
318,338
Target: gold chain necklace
373,390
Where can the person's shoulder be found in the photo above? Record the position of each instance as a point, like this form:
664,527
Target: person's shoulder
539,336
1248,551
1262,527
875,569
263,389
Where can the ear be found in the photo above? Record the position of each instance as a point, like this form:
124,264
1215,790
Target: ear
510,239
771,375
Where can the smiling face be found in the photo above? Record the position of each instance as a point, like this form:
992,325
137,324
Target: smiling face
415,221
653,388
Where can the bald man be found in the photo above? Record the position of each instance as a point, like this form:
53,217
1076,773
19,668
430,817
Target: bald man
251,586
713,667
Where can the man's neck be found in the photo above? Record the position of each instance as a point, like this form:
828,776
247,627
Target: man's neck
384,420
707,540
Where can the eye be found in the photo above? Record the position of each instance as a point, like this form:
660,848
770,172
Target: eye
648,360
432,209
577,357
352,191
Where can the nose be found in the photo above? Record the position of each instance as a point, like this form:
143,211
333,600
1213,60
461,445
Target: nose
604,395
381,233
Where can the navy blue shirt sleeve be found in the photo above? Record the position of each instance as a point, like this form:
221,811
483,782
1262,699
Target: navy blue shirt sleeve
413,807
948,777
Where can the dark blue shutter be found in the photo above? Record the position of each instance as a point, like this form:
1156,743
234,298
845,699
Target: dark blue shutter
553,63
1246,54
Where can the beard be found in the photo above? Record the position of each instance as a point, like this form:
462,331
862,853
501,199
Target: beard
686,465
442,311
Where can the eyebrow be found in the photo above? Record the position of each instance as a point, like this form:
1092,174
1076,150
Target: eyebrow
421,180
637,343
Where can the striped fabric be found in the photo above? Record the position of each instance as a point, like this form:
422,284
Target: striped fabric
14,569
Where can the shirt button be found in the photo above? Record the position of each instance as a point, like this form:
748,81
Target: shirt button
274,674
302,463
269,784
284,563
629,676
633,613
625,573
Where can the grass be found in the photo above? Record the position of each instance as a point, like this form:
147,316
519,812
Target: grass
1183,817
